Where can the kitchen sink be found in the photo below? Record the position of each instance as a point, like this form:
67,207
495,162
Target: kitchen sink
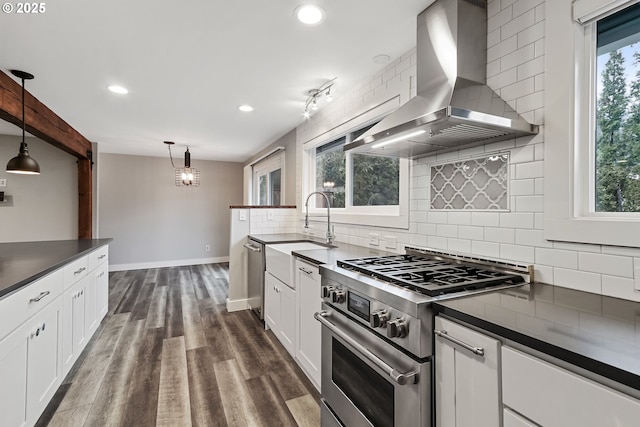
280,262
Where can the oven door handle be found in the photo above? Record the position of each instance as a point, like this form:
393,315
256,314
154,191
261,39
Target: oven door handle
398,377
444,334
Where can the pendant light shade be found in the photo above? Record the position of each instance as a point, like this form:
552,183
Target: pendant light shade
23,163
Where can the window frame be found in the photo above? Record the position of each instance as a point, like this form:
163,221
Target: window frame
265,167
570,122
396,216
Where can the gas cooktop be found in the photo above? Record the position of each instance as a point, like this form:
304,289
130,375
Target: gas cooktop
435,273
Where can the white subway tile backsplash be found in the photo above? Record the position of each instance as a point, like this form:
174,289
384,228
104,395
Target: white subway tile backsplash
573,279
490,219
543,274
578,247
518,24
524,154
505,46
533,68
493,7
437,217
530,102
529,170
557,258
505,79
487,249
538,48
499,19
437,242
538,221
447,230
459,245
518,57
532,238
517,253
612,265
522,187
532,34
459,218
522,6
540,16
619,287
501,235
427,228
471,232
493,38
518,89
530,203
516,220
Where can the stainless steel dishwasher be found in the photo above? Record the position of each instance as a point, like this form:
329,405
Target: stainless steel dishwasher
255,276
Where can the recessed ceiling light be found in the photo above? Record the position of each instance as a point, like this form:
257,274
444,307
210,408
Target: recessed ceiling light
118,89
310,14
381,59
245,108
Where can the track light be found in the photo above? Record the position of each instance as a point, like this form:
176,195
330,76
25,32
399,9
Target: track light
315,94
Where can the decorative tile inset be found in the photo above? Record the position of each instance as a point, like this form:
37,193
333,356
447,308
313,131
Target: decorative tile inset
476,184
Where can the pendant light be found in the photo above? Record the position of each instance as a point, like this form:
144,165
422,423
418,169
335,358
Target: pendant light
23,163
186,176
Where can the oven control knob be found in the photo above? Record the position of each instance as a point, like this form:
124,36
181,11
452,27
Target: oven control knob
397,328
326,291
337,296
379,318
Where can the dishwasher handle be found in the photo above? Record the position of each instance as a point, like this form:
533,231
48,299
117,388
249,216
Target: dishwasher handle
475,350
252,248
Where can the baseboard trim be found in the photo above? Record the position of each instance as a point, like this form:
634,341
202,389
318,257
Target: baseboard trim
237,305
173,263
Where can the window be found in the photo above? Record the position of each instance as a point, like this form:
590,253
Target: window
617,133
362,189
268,181
592,122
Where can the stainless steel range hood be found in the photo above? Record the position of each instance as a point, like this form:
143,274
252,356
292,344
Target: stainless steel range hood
453,107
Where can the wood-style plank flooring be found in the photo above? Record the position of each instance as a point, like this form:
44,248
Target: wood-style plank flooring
169,354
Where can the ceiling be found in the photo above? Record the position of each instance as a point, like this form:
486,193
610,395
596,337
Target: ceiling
188,65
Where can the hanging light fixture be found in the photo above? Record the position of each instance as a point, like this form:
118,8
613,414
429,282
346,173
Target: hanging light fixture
186,176
23,163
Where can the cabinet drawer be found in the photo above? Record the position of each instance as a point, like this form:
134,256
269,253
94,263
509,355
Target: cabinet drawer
75,271
98,256
18,307
553,396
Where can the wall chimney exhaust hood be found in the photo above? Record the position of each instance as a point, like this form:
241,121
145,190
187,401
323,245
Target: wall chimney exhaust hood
453,108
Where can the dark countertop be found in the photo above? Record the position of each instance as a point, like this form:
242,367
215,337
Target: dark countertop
23,262
598,333
337,251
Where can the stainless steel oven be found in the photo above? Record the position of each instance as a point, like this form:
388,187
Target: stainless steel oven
377,331
366,381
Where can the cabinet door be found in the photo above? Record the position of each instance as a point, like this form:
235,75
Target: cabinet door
511,419
288,323
43,359
271,303
102,291
309,331
74,333
90,295
467,384
13,374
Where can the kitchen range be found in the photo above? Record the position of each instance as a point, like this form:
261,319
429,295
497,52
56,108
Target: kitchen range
378,334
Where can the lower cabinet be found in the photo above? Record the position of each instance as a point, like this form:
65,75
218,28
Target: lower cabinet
549,395
74,326
467,383
308,352
280,311
30,367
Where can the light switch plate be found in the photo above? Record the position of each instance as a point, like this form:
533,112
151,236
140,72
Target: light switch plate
3,182
374,239
242,215
270,215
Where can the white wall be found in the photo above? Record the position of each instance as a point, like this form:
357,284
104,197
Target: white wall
516,53
42,207
153,222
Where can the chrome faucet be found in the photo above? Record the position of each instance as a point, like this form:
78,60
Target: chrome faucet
306,215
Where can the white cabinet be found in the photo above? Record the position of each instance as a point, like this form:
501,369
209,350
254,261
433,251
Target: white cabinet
280,311
30,367
467,384
307,279
74,329
101,278
511,419
553,396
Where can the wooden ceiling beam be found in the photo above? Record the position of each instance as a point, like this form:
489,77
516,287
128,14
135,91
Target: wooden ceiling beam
40,121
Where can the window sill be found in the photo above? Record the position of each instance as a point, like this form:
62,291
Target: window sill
372,220
600,231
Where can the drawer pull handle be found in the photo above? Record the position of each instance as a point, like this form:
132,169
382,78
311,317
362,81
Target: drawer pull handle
475,350
305,271
80,270
102,256
39,297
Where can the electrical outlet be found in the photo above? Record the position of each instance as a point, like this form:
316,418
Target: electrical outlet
270,215
207,248
3,182
374,239
390,242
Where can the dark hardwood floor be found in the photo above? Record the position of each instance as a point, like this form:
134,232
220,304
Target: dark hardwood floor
169,354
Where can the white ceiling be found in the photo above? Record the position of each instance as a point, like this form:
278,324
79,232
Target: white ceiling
189,64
